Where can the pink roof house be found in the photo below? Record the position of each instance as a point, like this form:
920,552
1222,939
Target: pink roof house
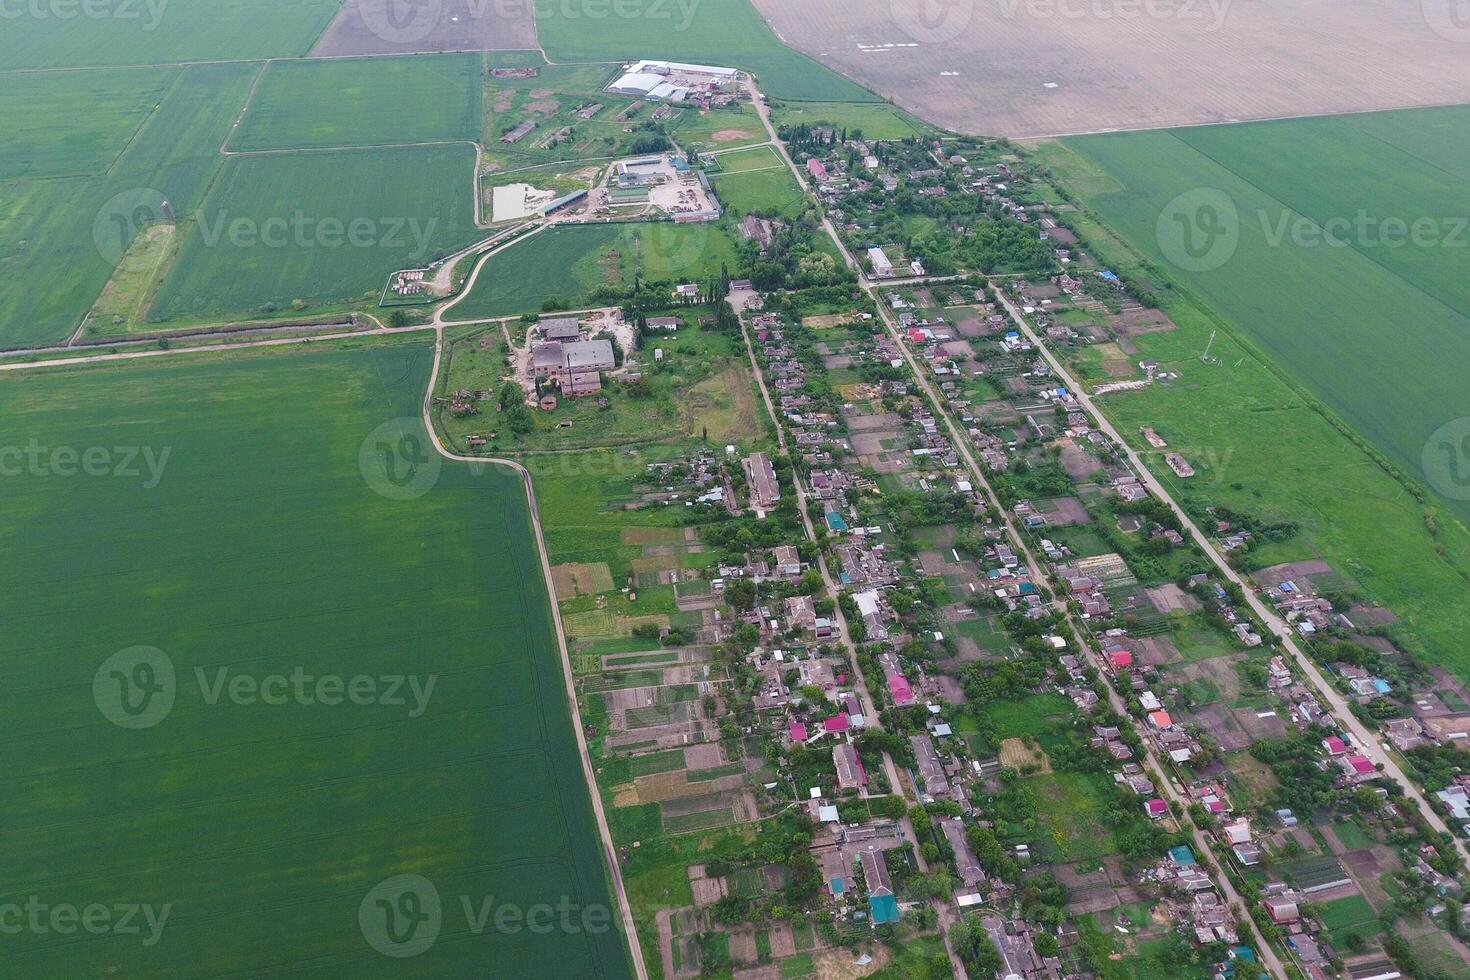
1155,808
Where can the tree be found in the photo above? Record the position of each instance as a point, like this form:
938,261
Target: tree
510,394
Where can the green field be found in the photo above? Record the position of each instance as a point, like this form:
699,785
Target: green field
1368,337
715,32
753,159
697,130
565,263
765,192
404,222
875,121
1354,320
59,238
363,101
46,135
157,31
261,546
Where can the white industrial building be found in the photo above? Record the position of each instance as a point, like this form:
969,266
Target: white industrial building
882,268
668,80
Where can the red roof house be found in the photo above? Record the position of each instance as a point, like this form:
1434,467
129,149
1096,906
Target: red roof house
1155,808
1120,659
1361,764
898,686
798,732
815,168
1160,719
1334,745
837,723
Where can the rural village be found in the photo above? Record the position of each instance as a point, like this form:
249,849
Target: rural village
929,657
846,550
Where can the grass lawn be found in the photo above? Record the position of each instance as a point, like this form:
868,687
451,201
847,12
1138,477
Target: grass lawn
1071,804
1385,312
363,101
1030,716
917,958
983,632
1352,835
225,807
1343,917
718,128
770,193
755,158
585,257
320,228
794,967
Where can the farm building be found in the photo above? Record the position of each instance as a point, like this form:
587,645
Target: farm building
552,359
561,328
669,79
765,491
519,133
